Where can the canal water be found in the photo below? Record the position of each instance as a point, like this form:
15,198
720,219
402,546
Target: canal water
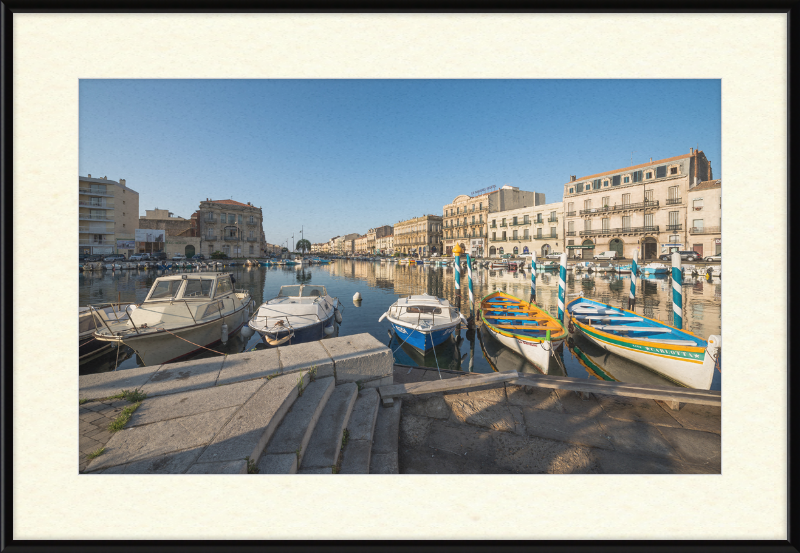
380,284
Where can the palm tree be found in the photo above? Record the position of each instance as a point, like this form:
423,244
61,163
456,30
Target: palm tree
303,245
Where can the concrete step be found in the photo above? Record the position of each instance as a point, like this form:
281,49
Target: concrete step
326,440
295,431
384,445
360,430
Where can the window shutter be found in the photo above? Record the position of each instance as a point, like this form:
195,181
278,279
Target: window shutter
615,180
661,171
580,187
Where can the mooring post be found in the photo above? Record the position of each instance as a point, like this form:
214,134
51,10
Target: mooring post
562,288
634,271
457,265
471,293
533,278
677,291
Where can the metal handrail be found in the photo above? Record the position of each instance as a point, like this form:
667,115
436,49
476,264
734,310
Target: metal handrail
190,311
131,319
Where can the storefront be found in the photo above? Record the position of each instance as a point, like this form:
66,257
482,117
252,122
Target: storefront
578,252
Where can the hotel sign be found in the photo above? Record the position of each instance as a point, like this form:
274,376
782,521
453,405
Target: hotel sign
483,190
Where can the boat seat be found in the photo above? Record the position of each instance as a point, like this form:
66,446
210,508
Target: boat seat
673,342
632,328
605,319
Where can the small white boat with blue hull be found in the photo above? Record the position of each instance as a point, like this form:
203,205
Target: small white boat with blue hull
300,313
423,321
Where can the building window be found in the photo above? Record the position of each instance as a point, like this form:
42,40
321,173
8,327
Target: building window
525,234
587,224
515,235
615,180
223,217
605,200
673,170
123,225
698,204
571,226
605,223
626,180
587,204
571,190
626,222
480,206
553,232
648,175
596,184
515,221
251,249
494,236
648,220
626,199
538,233
673,217
516,250
648,195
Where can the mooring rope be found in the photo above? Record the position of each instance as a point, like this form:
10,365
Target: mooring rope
436,358
198,345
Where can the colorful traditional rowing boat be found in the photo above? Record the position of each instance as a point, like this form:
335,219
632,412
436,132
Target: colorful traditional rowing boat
675,354
522,327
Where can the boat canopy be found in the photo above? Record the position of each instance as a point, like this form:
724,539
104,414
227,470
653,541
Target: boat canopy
302,290
191,287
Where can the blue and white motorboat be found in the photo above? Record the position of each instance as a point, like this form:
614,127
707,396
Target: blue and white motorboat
299,313
423,321
655,269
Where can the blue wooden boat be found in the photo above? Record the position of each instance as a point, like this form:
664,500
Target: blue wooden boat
423,321
677,355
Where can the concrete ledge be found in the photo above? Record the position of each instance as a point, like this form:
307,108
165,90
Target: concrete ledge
400,390
185,376
254,423
305,356
326,441
249,365
360,357
283,463
171,463
316,470
356,457
387,429
384,463
100,385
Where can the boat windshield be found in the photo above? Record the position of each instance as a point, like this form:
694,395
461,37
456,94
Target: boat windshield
165,289
198,288
314,291
289,291
424,309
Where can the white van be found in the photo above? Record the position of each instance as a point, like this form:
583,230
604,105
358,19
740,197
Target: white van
606,255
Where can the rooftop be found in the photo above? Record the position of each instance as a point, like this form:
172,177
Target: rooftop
640,166
707,185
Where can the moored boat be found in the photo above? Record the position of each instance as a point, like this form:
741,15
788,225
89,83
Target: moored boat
655,269
299,313
522,327
89,320
423,321
182,314
675,354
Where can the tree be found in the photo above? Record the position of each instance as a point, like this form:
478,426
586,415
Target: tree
303,245
284,250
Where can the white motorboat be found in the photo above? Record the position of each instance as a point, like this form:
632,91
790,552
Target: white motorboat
602,267
181,315
89,320
423,321
583,266
299,313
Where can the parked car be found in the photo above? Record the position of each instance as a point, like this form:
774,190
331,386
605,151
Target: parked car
114,257
505,256
90,258
159,256
178,257
553,255
82,257
139,257
717,257
606,255
199,257
687,255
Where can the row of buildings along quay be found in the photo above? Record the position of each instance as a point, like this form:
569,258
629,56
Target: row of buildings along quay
654,207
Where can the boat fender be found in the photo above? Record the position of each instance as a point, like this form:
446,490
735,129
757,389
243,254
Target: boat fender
247,331
338,316
383,316
328,330
224,337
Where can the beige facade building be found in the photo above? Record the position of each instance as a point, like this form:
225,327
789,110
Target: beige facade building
420,235
360,245
108,212
705,218
232,227
385,244
526,230
181,235
464,219
640,207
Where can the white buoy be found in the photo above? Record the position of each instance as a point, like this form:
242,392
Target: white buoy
357,296
247,332
224,338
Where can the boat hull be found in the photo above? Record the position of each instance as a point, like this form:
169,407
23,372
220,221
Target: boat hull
536,352
422,340
303,334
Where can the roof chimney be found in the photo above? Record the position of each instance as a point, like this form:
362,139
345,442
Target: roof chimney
572,178
651,159
90,175
691,150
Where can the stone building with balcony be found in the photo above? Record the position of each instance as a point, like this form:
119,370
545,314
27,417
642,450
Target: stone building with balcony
528,229
420,235
234,228
108,212
385,244
360,245
464,220
640,207
181,235
704,218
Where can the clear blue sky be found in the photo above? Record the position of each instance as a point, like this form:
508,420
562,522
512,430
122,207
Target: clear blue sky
341,156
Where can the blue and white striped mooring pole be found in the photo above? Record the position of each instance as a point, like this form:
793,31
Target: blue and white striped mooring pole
533,277
469,285
562,285
634,271
457,265
677,291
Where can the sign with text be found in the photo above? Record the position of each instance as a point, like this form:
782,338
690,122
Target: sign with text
482,190
126,244
149,235
718,240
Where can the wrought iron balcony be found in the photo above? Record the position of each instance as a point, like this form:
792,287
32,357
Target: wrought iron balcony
210,221
673,201
623,207
503,225
570,233
234,238
705,230
499,239
93,205
492,226
552,220
570,213
252,239
623,230
109,218
519,224
679,226
95,192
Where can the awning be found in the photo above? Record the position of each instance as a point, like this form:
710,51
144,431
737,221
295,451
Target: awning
581,247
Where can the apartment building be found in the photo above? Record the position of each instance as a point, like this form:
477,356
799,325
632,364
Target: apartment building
464,220
360,245
108,212
640,207
705,218
420,235
526,230
385,244
232,227
345,245
181,235
511,197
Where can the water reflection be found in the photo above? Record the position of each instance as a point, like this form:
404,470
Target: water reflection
381,284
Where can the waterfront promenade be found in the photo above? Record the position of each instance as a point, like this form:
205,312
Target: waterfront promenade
315,408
